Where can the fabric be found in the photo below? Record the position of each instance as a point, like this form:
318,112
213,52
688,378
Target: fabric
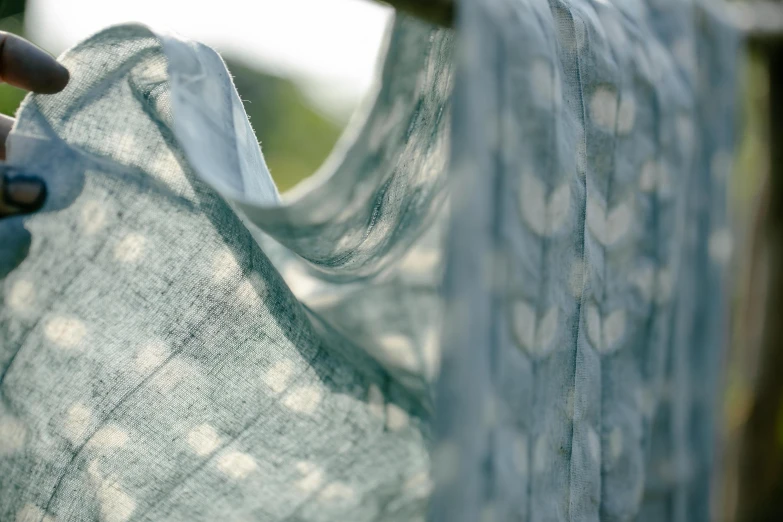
180,343
602,133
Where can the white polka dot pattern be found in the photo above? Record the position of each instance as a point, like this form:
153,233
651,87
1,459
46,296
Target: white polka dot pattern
12,434
236,465
304,399
31,513
65,332
77,421
337,491
203,439
130,249
279,375
21,295
93,217
151,356
108,437
312,476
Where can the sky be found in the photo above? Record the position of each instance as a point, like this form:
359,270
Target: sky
329,46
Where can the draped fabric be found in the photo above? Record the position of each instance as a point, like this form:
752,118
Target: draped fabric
591,146
536,199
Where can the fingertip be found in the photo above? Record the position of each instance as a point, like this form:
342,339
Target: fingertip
25,65
58,79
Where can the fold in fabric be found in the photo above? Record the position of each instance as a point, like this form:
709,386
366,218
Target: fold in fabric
156,362
178,342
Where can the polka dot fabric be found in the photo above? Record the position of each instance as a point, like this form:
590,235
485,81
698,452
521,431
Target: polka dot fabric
500,301
155,363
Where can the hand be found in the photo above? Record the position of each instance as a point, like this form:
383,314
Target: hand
24,65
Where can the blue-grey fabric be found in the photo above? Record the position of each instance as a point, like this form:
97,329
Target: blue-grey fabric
537,199
591,145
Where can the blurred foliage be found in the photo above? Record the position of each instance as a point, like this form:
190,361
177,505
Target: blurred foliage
750,170
752,162
11,20
10,98
295,137
10,8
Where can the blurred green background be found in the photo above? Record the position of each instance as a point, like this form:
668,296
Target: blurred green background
296,136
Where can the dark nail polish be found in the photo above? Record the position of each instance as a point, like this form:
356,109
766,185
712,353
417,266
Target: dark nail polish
25,193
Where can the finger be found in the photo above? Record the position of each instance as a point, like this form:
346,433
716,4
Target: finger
21,195
6,122
24,65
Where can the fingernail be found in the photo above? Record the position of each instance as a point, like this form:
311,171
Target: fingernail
25,193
